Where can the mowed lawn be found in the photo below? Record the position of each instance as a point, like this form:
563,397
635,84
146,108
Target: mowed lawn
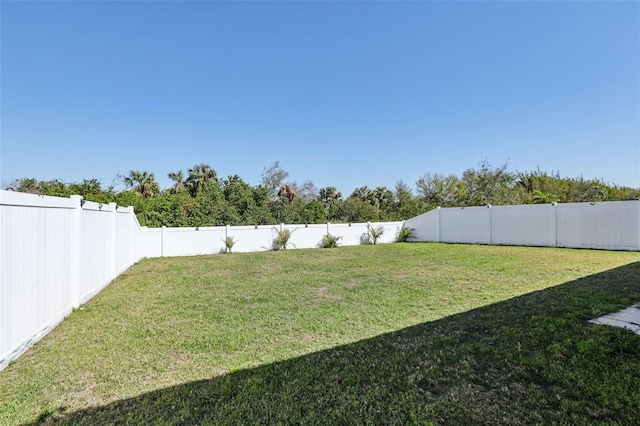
385,334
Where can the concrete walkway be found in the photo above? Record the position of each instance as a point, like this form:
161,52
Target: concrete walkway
627,318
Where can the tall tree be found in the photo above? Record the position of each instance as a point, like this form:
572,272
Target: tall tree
178,180
199,175
406,205
143,183
272,178
440,190
489,185
307,191
329,195
362,193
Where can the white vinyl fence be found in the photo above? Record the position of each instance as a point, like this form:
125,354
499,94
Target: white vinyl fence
55,254
164,241
611,225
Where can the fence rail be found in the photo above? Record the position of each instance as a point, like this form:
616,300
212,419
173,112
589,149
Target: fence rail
613,225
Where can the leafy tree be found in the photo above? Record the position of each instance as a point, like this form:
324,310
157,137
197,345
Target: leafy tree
357,210
440,190
240,199
209,206
488,185
202,200
29,185
406,205
309,212
91,190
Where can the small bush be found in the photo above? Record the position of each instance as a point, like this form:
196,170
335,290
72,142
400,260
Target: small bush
281,241
404,235
330,241
375,233
228,243
372,235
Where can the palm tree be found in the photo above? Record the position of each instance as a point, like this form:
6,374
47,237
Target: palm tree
178,179
363,193
199,175
143,183
329,195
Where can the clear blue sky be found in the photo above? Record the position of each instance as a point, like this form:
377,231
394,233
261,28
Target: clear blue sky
341,93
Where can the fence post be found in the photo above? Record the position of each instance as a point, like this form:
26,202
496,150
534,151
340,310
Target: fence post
114,240
162,241
132,254
439,224
554,206
143,242
328,226
638,216
75,254
490,225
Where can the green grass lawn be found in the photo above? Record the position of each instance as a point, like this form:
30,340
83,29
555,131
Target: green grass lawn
385,334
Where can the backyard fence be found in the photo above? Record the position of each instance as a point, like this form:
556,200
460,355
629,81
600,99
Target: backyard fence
210,240
611,225
57,253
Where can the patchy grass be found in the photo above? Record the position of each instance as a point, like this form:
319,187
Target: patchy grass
385,334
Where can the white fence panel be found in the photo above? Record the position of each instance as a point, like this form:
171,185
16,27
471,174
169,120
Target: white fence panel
610,225
426,227
124,239
306,236
193,241
253,238
465,225
613,225
152,242
391,230
55,253
32,299
351,233
97,248
530,225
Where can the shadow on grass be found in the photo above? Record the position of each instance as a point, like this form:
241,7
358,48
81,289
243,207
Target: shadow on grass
528,360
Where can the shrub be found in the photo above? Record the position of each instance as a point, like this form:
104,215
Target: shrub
228,243
330,241
281,241
404,235
372,235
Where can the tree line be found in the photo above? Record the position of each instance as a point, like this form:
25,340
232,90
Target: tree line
201,198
